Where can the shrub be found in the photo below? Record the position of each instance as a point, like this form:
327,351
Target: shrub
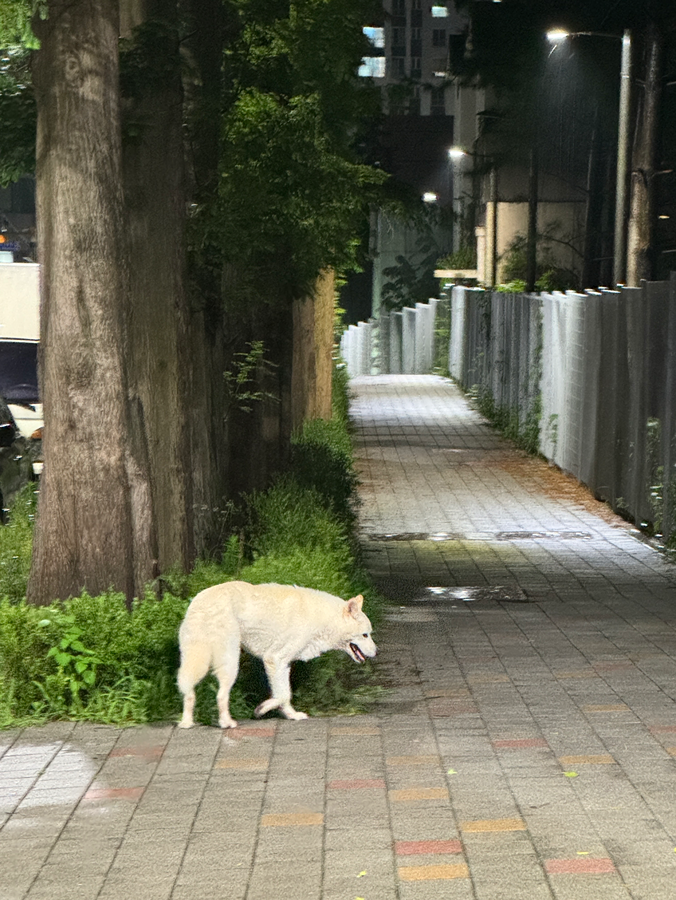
16,541
93,658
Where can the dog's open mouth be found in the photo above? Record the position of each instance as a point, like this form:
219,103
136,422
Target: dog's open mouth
357,655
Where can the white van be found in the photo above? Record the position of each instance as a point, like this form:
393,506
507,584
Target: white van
19,336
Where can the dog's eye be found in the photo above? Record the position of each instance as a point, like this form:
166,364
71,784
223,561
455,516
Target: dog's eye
365,635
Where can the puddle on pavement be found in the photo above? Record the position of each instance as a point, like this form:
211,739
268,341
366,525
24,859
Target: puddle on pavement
499,593
60,773
440,536
543,536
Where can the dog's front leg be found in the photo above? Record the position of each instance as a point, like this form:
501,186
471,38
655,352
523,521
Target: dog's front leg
279,678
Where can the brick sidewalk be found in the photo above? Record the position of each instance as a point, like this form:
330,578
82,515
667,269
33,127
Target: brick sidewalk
525,749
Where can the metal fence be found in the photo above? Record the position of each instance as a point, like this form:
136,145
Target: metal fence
587,380
413,341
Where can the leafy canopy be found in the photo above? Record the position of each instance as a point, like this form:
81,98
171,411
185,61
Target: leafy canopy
292,195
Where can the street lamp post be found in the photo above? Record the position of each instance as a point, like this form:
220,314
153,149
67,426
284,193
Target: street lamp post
623,134
456,155
620,244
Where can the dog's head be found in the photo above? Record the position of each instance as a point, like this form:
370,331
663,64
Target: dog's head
358,642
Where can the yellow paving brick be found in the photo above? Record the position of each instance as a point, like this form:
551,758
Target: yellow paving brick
405,794
486,825
281,820
412,760
601,759
433,873
605,707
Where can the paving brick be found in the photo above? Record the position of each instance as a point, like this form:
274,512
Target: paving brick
454,786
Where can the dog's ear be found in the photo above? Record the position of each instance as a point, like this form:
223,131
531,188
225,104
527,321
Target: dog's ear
354,606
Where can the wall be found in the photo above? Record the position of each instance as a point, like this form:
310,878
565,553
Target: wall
513,221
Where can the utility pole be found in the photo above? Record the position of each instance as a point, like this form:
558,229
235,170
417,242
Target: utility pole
620,247
641,230
531,239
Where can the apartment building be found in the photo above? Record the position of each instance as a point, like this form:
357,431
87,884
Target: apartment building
426,113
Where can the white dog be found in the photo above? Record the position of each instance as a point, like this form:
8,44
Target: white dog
278,623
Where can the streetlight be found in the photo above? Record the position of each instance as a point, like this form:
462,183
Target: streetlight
621,192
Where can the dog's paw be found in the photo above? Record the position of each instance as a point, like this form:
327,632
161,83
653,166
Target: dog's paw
295,714
185,723
227,723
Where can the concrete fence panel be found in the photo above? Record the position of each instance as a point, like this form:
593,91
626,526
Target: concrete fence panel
408,328
396,339
457,347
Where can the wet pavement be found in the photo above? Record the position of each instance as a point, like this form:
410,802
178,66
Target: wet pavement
525,747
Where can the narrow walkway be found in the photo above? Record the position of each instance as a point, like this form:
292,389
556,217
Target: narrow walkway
539,633
524,749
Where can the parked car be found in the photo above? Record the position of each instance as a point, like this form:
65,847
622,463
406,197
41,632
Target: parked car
20,408
17,457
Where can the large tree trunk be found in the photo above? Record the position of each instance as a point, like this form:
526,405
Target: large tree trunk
159,325
313,353
209,24
641,233
86,535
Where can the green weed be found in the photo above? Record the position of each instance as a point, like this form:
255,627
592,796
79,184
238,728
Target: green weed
94,659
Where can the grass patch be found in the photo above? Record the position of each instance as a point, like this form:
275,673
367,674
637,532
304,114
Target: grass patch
92,658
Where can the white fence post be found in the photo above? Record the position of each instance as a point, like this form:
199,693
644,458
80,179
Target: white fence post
396,340
408,328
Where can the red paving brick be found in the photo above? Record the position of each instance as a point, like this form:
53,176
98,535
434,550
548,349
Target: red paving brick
423,848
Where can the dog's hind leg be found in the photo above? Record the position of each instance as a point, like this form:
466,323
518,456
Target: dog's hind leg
226,666
279,677
195,660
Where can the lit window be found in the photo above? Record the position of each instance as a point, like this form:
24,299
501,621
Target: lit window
375,35
372,67
439,12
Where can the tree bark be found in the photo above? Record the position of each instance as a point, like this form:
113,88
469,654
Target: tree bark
641,232
85,533
312,353
208,27
158,345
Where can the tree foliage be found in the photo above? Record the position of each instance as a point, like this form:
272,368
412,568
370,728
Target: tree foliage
17,103
288,204
291,195
17,115
272,106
